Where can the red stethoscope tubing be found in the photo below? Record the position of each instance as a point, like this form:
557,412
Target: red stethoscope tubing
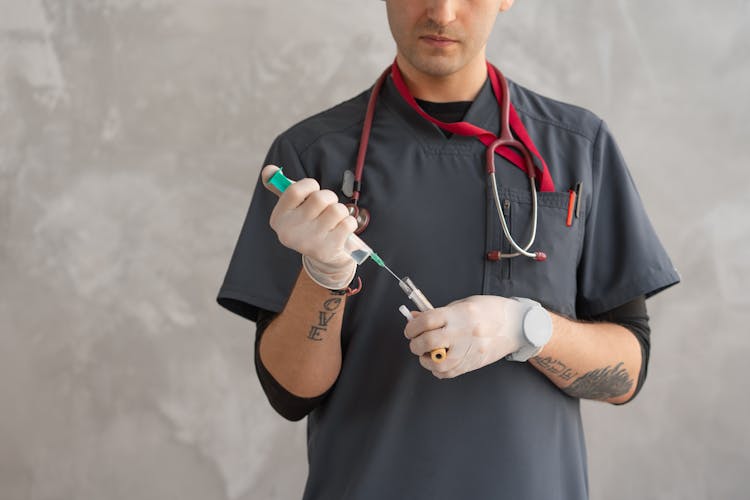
362,214
517,152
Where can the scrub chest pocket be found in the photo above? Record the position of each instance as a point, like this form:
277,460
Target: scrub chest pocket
552,282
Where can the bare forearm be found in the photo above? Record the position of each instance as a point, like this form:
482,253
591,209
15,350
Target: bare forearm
301,348
591,360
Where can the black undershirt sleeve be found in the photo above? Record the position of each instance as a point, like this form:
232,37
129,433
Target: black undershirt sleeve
288,405
631,315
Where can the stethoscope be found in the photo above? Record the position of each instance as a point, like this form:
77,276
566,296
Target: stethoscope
505,140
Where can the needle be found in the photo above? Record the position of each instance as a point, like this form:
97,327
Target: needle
379,261
415,295
393,274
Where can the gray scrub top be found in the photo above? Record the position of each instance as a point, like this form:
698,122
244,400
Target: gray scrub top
389,429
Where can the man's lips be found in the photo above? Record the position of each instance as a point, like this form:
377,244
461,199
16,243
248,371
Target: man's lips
438,40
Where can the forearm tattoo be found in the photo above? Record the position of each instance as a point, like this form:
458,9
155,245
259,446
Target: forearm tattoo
556,367
604,383
330,306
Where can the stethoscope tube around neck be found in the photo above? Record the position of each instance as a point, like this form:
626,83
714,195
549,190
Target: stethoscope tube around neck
506,139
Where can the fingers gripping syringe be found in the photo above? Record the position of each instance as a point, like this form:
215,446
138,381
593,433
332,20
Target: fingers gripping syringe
354,246
360,251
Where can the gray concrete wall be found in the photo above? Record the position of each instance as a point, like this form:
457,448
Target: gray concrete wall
131,133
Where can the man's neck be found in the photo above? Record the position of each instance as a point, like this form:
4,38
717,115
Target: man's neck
463,85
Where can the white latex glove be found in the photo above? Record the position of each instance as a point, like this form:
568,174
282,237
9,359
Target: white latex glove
477,331
311,221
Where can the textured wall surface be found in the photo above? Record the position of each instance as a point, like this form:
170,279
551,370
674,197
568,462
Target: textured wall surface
131,134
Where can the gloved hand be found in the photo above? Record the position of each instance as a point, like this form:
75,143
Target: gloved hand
311,221
477,331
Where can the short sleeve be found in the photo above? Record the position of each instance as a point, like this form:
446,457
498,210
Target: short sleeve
262,271
622,256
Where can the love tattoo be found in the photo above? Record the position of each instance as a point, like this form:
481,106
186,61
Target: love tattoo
330,306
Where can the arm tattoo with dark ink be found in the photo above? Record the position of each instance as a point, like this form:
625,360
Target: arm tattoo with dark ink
556,367
315,332
332,304
604,383
324,317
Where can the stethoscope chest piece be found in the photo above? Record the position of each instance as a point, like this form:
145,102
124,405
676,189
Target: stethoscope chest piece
362,215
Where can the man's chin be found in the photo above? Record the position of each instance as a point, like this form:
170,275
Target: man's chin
436,66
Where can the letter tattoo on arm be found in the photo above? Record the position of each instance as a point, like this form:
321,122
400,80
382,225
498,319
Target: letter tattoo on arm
556,367
330,306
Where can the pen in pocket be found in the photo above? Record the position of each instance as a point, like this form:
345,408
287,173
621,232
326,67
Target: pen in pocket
571,206
574,203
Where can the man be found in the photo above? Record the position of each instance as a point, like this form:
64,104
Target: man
499,416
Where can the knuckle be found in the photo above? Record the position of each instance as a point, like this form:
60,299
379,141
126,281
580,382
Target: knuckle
273,221
350,223
329,196
316,197
284,239
324,198
307,184
340,210
295,192
337,212
476,330
471,308
301,191
424,320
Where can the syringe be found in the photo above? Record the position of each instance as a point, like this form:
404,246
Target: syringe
355,247
360,251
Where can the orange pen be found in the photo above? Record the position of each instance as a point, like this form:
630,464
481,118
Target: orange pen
571,206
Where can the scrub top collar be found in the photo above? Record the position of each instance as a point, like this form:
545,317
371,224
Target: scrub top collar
483,112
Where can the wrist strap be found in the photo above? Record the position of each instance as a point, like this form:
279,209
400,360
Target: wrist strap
528,350
349,291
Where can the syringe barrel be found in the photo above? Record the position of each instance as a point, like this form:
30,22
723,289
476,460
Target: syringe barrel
357,249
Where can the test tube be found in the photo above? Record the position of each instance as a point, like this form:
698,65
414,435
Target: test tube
355,247
415,295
